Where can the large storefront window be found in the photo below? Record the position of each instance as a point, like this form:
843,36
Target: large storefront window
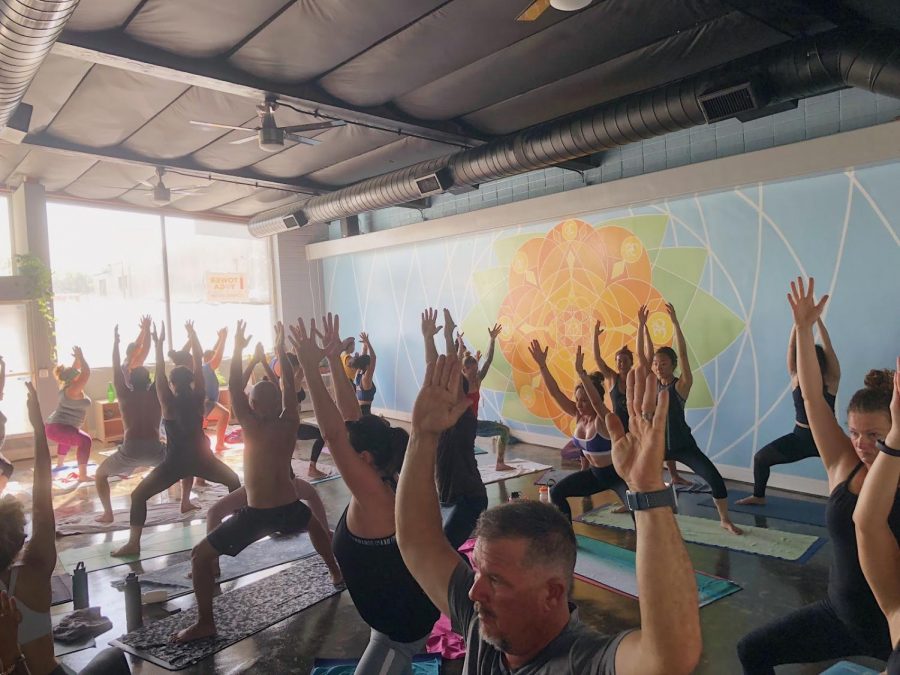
6,243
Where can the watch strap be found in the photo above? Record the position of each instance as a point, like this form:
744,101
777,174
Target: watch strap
883,447
641,501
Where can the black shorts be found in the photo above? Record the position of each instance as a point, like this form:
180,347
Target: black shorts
249,525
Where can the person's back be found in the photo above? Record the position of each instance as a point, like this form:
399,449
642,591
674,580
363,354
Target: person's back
268,446
141,414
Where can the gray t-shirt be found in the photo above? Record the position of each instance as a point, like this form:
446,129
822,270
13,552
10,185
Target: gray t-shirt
578,650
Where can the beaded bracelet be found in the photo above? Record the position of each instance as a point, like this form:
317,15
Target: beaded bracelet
886,450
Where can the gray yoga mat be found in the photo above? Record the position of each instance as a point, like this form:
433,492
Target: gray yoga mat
239,614
60,589
262,555
63,648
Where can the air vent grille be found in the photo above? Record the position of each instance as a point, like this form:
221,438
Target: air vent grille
726,103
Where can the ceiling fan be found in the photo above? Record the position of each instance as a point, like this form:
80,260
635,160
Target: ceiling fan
538,7
160,193
270,136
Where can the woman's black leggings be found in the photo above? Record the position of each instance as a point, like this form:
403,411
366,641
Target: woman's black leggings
585,484
810,634
701,465
792,447
310,432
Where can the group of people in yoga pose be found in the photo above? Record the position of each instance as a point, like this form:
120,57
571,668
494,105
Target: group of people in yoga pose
397,553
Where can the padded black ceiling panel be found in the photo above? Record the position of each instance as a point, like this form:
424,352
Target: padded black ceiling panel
447,39
170,133
313,36
199,27
101,14
109,105
337,145
688,52
381,160
884,12
603,32
51,87
53,169
105,180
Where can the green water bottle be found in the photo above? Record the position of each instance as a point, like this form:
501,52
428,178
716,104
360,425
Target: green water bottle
110,392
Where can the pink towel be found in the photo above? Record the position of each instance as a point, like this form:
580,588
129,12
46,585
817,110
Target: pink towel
443,640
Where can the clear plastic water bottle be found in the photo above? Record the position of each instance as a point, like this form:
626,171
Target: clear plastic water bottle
544,494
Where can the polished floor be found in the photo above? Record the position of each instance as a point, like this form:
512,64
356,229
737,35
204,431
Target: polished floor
333,629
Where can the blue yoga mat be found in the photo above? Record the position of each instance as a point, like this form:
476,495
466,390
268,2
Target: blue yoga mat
847,668
424,664
783,508
613,568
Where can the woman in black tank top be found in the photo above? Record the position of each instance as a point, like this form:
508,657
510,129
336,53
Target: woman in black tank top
848,621
614,379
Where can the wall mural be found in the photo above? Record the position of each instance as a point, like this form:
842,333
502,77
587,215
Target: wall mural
723,259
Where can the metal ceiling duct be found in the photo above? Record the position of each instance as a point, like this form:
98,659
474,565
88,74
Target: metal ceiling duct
28,29
787,72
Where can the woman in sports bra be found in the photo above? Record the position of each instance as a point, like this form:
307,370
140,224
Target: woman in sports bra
29,580
799,443
365,371
590,436
848,621
368,452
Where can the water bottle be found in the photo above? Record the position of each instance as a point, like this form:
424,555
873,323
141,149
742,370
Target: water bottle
544,494
80,597
513,496
134,617
110,392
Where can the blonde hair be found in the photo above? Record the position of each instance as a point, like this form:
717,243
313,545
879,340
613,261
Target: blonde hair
12,530
65,374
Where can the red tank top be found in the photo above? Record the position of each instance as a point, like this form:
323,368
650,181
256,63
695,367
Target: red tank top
475,398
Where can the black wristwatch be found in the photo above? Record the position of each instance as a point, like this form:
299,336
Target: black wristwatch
883,447
641,501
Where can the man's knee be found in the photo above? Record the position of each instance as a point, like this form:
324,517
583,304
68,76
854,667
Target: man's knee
203,553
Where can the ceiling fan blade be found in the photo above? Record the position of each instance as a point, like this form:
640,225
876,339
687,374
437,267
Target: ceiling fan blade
534,10
302,139
220,126
313,127
244,140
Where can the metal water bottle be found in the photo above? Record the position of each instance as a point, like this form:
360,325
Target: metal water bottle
80,597
133,611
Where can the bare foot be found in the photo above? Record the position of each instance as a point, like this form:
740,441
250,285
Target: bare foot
220,449
337,578
621,508
752,501
105,517
731,527
678,480
196,632
315,474
502,466
127,550
200,482
186,507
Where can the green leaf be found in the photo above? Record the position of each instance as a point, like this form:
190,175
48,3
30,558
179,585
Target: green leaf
683,262
674,288
650,229
505,249
709,327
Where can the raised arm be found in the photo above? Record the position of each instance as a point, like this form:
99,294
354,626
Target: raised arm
118,376
344,390
540,357
420,536
196,355
2,377
493,333
834,446
429,330
686,379
142,344
370,350
593,395
832,365
248,370
239,400
40,551
669,639
264,362
288,395
84,370
792,354
644,343
879,554
163,391
607,372
219,350
449,337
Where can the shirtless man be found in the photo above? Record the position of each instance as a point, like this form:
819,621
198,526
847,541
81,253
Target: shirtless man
270,428
141,447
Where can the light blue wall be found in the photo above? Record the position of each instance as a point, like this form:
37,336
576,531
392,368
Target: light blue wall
842,228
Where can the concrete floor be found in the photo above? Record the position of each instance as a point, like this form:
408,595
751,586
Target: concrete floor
333,629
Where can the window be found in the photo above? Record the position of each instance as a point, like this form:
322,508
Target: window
6,247
218,273
107,270
14,341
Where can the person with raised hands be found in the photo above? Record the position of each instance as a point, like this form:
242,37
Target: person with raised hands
64,424
878,527
364,365
269,418
848,621
514,608
136,352
368,452
615,380
187,448
212,358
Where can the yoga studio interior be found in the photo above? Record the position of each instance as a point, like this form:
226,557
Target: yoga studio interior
631,267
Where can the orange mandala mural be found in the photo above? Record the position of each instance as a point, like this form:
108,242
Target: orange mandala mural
559,286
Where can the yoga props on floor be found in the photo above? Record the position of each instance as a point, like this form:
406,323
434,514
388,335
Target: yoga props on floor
521,467
60,589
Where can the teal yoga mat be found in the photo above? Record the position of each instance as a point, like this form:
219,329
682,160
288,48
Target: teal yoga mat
424,664
613,568
847,668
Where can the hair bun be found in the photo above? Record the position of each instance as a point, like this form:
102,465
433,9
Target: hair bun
881,380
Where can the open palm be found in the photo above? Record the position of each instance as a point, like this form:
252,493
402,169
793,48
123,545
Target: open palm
438,405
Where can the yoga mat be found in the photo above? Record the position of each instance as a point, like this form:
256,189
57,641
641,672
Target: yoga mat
783,508
613,568
423,664
299,467
848,668
755,540
480,451
157,514
60,589
693,488
63,648
97,556
239,614
521,467
554,475
262,555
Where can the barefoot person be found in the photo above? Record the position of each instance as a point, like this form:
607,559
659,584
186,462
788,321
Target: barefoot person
680,443
136,352
212,358
63,424
514,609
269,420
368,452
798,444
365,372
848,620
187,447
615,380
